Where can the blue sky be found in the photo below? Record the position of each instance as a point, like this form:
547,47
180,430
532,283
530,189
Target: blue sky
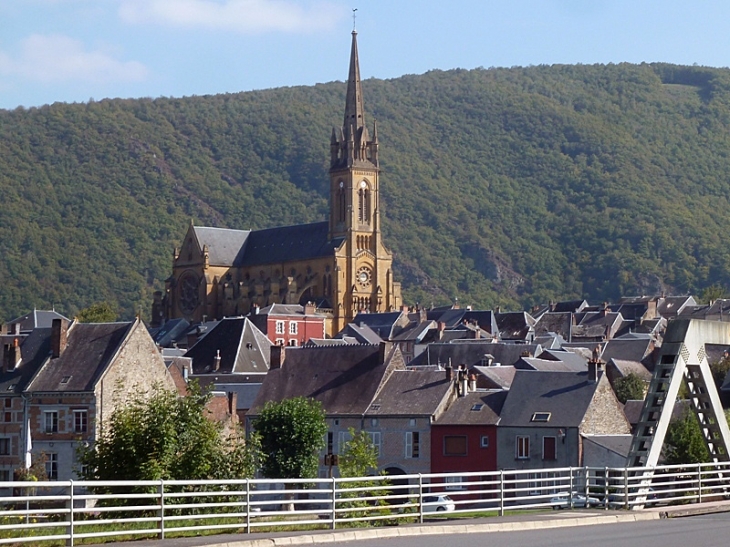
75,50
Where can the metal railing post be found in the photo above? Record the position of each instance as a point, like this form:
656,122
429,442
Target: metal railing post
161,512
605,488
699,483
334,503
501,493
248,506
70,507
626,489
420,498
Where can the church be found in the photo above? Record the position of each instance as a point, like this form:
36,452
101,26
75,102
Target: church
341,265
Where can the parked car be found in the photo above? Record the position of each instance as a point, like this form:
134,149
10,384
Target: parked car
563,500
439,503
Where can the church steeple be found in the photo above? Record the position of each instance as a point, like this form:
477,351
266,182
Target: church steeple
351,145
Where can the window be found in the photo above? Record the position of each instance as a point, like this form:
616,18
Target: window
51,421
413,444
376,440
293,342
477,407
344,437
373,422
293,327
455,445
454,483
8,417
279,341
522,448
549,448
280,327
81,421
52,465
541,417
484,441
330,442
4,475
4,447
8,403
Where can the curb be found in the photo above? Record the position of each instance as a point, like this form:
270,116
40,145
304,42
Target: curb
379,533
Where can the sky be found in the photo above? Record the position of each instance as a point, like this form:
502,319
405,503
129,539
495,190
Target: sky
80,50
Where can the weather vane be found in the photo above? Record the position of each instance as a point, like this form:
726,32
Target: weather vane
354,18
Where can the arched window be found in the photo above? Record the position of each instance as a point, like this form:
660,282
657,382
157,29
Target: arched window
363,201
342,203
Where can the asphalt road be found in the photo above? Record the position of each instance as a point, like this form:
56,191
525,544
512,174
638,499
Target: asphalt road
700,531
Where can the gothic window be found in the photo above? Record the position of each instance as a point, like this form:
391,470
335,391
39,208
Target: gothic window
342,205
363,201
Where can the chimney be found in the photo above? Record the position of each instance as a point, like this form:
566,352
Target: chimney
472,382
441,329
463,381
14,329
232,402
278,355
449,373
256,309
595,370
217,360
59,332
309,308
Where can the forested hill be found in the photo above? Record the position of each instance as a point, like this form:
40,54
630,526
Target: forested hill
501,187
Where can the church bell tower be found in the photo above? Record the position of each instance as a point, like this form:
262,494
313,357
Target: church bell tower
364,265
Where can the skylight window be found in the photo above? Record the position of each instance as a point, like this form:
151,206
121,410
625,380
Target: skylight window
477,407
541,417
65,379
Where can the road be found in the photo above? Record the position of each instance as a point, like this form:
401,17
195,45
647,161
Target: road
701,531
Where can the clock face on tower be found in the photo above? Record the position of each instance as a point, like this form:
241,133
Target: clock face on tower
364,276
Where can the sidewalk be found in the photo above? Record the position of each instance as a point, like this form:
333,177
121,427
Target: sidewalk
530,521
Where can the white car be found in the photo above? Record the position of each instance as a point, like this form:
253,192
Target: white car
563,500
438,503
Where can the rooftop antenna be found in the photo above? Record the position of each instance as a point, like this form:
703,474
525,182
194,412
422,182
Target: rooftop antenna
354,19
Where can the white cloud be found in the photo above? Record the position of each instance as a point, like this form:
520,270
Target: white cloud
58,58
245,16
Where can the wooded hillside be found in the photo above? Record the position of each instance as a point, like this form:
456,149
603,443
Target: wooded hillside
501,187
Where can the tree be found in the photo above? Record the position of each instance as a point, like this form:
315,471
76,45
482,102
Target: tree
712,293
630,387
359,455
166,436
719,371
292,433
99,312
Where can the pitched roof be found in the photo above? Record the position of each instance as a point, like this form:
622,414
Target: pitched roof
472,353
243,348
386,324
499,377
557,322
627,349
36,319
619,444
475,408
345,379
533,363
224,246
34,350
514,325
565,395
411,393
90,349
630,367
288,243
362,333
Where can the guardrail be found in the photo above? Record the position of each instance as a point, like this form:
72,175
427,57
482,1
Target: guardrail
70,511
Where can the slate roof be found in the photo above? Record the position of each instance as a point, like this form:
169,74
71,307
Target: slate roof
627,349
573,306
629,367
90,349
472,353
36,319
574,359
386,325
496,377
243,348
671,306
170,332
557,322
363,334
514,325
288,243
34,350
345,379
225,246
566,395
411,393
463,411
415,332
532,363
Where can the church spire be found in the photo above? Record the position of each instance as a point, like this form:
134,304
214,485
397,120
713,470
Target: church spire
354,110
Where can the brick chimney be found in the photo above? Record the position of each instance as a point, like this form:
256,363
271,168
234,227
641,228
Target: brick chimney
278,355
309,308
449,373
11,355
59,333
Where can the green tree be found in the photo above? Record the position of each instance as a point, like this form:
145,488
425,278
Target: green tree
684,442
630,387
712,293
719,371
165,436
99,312
359,455
292,434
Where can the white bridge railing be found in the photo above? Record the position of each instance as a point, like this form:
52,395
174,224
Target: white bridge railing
68,511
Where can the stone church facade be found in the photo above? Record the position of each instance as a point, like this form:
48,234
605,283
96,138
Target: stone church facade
341,264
